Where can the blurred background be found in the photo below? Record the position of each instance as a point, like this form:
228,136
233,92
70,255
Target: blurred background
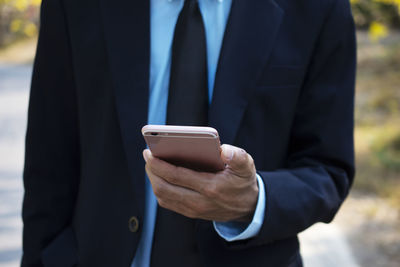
366,232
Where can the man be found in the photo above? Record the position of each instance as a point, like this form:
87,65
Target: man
274,77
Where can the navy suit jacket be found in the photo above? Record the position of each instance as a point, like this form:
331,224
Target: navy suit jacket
284,92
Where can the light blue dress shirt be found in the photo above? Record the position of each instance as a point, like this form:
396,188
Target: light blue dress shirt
164,14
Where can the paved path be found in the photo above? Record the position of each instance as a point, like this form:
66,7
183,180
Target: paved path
14,84
322,245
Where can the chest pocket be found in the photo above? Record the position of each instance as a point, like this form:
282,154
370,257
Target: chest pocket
282,77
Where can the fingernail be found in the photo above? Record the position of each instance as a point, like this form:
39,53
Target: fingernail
228,153
145,155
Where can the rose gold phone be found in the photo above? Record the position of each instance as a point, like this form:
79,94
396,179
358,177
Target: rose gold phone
196,148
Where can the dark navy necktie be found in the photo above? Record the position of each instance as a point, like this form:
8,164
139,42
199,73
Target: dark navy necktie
188,90
174,235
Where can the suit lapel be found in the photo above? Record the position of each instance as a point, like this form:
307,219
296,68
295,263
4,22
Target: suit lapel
249,37
127,34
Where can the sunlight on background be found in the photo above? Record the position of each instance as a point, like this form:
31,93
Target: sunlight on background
366,231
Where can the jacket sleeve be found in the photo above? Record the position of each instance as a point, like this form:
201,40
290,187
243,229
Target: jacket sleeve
51,171
320,165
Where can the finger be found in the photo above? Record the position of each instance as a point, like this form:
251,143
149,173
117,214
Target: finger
146,154
166,191
197,181
178,199
238,160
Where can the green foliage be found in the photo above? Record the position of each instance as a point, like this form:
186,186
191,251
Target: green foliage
377,16
386,12
377,134
18,18
387,149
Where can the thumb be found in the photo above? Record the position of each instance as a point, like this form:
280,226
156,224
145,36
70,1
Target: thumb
238,160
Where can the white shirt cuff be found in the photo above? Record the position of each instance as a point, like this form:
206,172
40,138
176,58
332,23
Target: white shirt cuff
234,231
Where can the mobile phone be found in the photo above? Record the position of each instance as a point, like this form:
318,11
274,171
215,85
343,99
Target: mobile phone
196,148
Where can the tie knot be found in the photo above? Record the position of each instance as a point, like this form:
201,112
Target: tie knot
191,2
190,6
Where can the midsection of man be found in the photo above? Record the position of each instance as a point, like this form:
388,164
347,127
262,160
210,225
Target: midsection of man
283,91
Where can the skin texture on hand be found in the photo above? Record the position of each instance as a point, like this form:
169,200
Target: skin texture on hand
228,195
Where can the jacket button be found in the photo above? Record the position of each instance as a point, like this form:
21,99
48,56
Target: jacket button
133,224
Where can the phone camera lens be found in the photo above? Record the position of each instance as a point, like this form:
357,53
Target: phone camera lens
154,134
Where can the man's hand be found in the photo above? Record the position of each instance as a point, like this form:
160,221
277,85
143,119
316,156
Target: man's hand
229,195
